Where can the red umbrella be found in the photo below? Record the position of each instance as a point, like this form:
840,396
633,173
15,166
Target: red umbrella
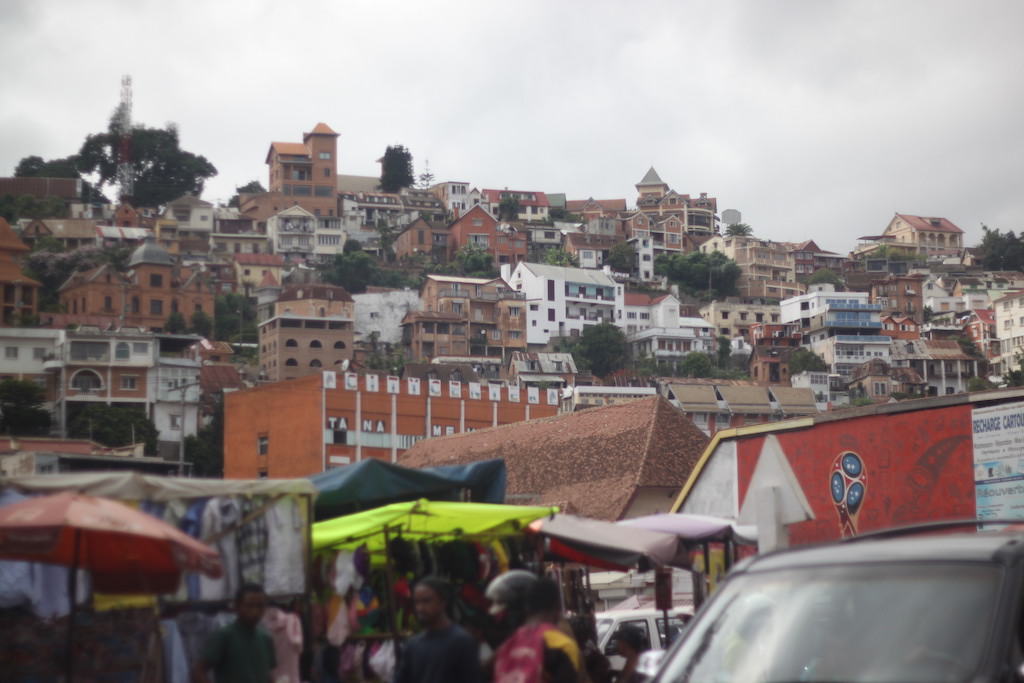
125,550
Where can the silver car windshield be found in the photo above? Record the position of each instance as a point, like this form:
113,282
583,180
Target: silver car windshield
891,623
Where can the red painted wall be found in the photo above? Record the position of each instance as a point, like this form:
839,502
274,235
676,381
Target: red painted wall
916,467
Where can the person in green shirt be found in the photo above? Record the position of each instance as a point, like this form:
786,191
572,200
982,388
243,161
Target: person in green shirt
241,652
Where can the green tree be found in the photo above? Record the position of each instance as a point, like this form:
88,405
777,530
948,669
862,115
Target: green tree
161,170
251,187
175,323
508,209
114,426
603,347
205,450
558,213
556,256
724,352
1002,251
354,270
714,274
979,384
202,324
696,364
22,411
234,318
16,207
825,275
621,257
396,169
739,230
475,261
387,240
804,359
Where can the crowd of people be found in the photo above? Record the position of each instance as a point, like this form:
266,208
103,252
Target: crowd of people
537,642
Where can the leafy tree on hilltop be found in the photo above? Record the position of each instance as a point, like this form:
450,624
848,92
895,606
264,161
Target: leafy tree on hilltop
396,169
251,187
696,364
739,230
1002,251
601,348
826,275
161,170
714,274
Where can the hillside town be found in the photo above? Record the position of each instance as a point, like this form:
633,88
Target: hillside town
474,307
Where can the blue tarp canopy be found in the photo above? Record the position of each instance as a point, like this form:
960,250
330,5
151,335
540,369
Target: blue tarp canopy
373,483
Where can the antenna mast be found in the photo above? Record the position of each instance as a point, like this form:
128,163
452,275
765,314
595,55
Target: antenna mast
123,125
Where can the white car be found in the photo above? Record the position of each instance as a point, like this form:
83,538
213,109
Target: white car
648,621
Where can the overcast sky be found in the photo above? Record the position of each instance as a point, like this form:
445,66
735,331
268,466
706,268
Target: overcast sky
814,119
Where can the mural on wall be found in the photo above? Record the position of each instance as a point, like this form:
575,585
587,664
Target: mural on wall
848,485
920,465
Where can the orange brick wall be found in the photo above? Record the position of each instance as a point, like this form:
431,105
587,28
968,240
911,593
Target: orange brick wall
290,415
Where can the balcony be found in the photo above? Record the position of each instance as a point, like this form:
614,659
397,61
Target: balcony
865,339
834,305
865,324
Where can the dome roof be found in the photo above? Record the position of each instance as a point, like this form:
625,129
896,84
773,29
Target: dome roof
150,252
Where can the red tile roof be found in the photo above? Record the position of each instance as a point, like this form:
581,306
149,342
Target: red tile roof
8,240
925,223
494,197
215,378
596,459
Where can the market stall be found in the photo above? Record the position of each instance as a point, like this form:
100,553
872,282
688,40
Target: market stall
260,530
366,563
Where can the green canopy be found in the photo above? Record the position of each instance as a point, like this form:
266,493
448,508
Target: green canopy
424,519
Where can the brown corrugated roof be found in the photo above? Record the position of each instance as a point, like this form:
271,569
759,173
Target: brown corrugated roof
214,378
746,399
795,400
317,291
695,398
596,459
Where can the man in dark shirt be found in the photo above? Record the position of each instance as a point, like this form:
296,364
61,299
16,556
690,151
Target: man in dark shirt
242,651
443,652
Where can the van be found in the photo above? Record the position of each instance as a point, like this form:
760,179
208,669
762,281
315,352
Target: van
648,621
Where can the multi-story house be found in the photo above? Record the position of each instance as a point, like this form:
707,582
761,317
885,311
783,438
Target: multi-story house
153,288
533,206
70,232
766,268
292,233
900,327
310,329
590,251
844,328
421,204
423,237
251,269
588,209
562,302
504,241
657,201
943,364
544,370
655,329
541,238
734,318
20,300
900,295
454,195
1009,322
25,349
878,381
937,238
305,172
193,218
809,258
234,233
464,316
771,347
980,327
128,367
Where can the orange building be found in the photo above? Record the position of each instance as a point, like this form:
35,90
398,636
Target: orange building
20,292
305,173
306,425
476,227
154,287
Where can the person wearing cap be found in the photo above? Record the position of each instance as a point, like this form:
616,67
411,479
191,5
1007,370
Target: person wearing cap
443,652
